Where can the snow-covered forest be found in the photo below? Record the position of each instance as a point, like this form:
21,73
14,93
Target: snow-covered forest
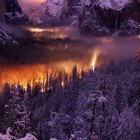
101,104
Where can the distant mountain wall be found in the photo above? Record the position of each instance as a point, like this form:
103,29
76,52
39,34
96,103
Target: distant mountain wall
55,12
11,12
104,17
50,12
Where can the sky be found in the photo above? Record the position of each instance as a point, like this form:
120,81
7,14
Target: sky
27,4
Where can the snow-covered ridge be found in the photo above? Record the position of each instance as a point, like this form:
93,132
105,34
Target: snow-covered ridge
51,8
55,7
113,4
35,15
106,17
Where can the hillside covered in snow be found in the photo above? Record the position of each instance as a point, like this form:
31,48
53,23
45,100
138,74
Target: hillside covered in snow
11,17
103,104
49,11
104,17
98,17
116,5
12,13
55,12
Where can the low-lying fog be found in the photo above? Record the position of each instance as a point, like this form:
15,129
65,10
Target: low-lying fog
60,48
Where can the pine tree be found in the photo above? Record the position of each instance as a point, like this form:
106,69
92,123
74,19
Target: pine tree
134,97
96,103
119,98
17,113
129,128
4,99
9,110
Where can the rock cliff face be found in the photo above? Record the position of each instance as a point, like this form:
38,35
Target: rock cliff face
55,12
49,12
14,13
2,10
11,12
110,16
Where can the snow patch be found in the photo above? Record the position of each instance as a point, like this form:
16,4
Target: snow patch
28,137
4,137
85,2
113,4
102,99
55,7
8,136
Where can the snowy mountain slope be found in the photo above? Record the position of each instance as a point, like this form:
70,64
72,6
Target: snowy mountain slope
11,14
113,4
57,12
105,17
36,14
55,7
48,10
14,13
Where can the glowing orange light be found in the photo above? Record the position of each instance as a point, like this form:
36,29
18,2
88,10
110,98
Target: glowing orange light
62,84
32,74
138,36
53,32
106,40
22,75
94,58
36,30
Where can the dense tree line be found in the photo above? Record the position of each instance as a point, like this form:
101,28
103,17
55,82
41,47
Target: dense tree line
101,104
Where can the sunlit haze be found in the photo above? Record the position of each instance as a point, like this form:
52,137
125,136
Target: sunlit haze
25,4
91,52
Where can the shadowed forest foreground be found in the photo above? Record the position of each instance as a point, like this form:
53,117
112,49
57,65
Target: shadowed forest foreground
101,104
